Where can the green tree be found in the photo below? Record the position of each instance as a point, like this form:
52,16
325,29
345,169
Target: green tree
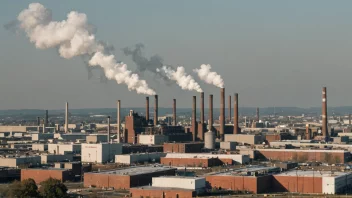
53,188
25,189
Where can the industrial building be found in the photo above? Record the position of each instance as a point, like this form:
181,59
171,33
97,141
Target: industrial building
96,138
321,182
100,153
39,147
300,155
42,136
23,161
126,178
39,175
191,147
9,174
257,179
244,138
51,158
156,139
64,148
224,158
171,186
138,158
195,162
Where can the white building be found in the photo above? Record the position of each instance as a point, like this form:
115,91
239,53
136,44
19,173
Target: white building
138,157
156,139
99,153
190,183
64,148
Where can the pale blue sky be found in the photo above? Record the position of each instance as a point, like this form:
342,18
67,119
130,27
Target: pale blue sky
273,53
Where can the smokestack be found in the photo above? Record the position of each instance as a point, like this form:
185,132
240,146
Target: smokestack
156,110
222,113
194,118
229,110
38,121
202,116
210,124
349,119
257,113
108,129
46,117
235,114
44,126
324,114
147,109
118,121
308,134
174,113
66,118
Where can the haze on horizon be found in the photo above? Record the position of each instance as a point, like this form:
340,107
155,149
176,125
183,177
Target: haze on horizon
273,53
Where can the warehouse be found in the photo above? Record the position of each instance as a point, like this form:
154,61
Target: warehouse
64,148
42,136
100,153
126,178
328,156
244,138
9,174
24,161
195,162
50,158
96,138
235,158
325,182
138,158
256,179
171,186
194,147
39,175
156,139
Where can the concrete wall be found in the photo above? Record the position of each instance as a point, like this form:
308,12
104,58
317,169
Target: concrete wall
230,146
42,136
17,128
244,138
139,157
96,138
39,147
64,148
14,162
55,158
152,139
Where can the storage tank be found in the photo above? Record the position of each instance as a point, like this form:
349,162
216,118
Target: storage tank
209,140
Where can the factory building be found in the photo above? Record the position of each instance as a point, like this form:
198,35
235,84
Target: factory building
192,147
250,139
224,158
42,136
126,178
257,179
9,174
24,161
100,153
51,158
138,158
322,182
328,156
229,146
64,148
171,186
194,162
130,148
40,175
96,138
156,139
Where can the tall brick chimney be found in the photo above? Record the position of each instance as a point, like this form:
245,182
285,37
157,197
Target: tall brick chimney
324,114
194,118
147,108
222,113
156,110
235,115
118,121
210,112
229,109
174,122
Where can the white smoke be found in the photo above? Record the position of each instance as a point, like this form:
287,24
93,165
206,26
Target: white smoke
205,74
186,82
74,37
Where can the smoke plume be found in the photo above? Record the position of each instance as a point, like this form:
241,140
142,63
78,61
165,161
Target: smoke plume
186,82
145,64
205,74
75,37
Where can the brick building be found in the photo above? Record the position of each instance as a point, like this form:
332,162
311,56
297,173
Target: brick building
39,175
328,156
126,178
192,147
254,179
229,159
194,162
150,191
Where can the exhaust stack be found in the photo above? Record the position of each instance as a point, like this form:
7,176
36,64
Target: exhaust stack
229,109
38,121
308,133
257,113
222,113
118,121
235,114
324,114
210,124
349,119
194,119
174,113
156,110
66,118
147,109
108,129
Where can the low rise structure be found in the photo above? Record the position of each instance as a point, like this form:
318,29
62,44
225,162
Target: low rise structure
224,158
155,139
40,175
51,158
64,148
23,161
194,147
99,153
138,158
244,138
39,147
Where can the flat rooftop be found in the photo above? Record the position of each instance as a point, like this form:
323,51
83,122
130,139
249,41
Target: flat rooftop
138,170
304,150
311,173
180,177
160,188
246,170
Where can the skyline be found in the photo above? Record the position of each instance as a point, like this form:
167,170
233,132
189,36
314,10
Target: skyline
31,78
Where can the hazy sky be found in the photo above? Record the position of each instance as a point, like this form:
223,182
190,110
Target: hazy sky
273,53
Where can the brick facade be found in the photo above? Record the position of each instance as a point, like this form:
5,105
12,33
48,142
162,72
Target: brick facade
183,147
300,184
39,175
